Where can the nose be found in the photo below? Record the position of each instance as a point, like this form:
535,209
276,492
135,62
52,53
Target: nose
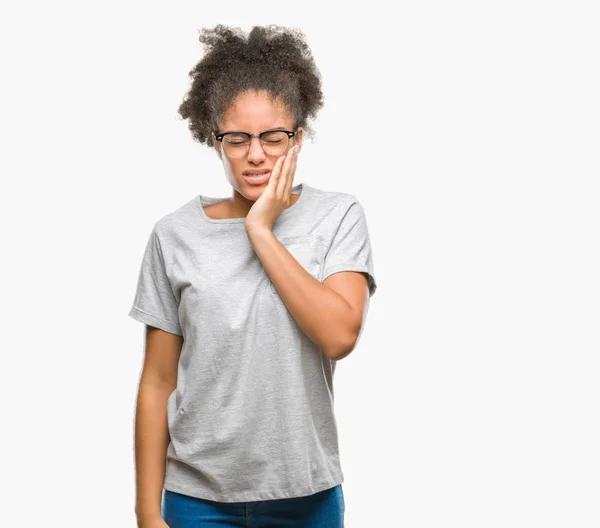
256,154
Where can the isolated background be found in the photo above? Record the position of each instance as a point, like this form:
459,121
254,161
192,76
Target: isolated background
472,398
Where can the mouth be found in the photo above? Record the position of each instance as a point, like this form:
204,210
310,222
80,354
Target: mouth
256,177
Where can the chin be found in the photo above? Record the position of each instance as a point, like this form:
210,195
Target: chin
250,192
253,190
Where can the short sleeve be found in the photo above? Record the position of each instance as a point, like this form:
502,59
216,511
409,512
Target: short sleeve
350,249
154,303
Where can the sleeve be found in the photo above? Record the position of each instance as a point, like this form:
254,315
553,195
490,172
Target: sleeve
350,249
154,303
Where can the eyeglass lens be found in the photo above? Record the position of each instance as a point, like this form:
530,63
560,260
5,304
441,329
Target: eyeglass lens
273,143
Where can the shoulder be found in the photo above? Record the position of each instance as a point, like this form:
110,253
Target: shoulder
170,225
333,201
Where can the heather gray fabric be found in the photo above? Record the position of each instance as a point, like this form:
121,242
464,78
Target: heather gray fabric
252,417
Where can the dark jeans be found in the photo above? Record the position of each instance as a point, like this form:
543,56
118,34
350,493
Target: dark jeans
324,509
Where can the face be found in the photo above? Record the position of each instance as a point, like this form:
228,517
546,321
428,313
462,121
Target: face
253,112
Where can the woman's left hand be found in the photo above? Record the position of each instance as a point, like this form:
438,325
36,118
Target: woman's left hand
276,196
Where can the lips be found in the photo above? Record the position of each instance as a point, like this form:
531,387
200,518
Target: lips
256,177
255,172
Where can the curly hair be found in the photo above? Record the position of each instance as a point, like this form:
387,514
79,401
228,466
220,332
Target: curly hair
272,59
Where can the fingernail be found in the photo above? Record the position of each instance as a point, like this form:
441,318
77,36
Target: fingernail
283,158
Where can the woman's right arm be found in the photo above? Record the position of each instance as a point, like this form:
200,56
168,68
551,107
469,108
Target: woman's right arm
157,381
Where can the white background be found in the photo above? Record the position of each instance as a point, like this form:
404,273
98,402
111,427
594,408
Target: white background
472,399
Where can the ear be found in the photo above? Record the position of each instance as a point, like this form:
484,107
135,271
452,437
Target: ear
299,137
216,145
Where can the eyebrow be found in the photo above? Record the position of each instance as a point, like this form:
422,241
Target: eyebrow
244,132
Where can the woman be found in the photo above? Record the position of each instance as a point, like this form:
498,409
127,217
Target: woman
249,302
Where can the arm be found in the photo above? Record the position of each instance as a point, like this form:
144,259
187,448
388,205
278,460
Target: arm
158,380
329,313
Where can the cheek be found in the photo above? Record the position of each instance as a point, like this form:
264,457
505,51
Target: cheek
228,164
236,166
232,171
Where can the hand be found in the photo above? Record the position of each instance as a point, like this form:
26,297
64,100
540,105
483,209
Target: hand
276,196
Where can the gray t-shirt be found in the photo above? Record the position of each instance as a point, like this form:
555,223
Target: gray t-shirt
252,417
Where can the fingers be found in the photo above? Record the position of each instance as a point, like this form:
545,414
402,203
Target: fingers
292,172
286,179
276,174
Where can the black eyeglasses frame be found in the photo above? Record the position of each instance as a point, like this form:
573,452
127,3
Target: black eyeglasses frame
219,137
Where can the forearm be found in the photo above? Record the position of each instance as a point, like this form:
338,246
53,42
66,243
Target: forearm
320,311
151,442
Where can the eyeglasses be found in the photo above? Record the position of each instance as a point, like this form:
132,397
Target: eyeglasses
273,142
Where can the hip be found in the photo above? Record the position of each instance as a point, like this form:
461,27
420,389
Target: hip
324,509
